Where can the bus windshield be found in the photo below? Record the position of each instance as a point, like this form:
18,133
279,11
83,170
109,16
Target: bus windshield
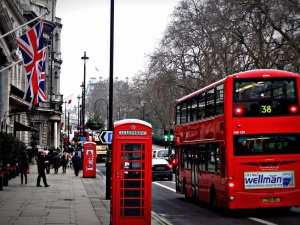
266,144
261,97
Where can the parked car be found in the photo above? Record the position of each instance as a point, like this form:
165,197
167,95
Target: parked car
161,169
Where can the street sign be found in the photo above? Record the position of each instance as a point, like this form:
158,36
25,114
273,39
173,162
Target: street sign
83,140
106,137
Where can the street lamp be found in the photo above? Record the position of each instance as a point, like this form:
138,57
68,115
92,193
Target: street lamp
281,61
143,103
84,58
65,125
107,109
78,124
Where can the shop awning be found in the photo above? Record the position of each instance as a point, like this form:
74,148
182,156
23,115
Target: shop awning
21,127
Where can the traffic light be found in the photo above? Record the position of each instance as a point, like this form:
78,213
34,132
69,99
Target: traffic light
171,135
166,135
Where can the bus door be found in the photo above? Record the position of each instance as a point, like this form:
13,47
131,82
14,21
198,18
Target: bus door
178,165
194,165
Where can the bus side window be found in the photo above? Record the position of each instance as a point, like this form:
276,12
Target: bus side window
201,106
202,158
210,103
220,99
183,113
193,109
212,157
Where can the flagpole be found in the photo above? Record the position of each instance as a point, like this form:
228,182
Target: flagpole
17,62
11,65
24,25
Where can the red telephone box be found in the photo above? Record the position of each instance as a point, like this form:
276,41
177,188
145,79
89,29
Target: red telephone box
131,195
89,159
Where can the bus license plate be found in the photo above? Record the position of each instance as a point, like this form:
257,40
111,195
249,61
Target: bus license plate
266,200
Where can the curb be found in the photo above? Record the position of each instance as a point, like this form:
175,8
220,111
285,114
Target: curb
160,219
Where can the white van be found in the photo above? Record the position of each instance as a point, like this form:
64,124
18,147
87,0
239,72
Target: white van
160,153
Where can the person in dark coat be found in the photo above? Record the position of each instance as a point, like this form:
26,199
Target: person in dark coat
24,166
76,160
41,169
56,163
64,162
49,157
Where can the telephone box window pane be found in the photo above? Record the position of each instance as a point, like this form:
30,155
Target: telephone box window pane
133,175
132,212
132,147
132,193
132,203
132,184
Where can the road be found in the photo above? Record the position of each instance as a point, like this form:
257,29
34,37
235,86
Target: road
179,211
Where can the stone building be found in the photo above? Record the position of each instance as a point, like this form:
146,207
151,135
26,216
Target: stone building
39,126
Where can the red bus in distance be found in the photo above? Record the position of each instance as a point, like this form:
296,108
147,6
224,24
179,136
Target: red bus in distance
237,141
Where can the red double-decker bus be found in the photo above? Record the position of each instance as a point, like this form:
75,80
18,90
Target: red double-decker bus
237,141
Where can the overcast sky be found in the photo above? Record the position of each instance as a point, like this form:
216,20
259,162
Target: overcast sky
138,27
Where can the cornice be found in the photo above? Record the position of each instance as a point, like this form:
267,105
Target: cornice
17,10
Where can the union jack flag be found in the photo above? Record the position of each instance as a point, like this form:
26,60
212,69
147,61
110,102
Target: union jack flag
31,46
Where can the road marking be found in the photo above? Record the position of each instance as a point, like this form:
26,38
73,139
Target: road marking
261,221
171,189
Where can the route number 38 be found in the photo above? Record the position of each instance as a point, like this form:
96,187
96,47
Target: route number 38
266,109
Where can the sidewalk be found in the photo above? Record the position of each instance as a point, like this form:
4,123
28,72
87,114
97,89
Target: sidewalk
69,200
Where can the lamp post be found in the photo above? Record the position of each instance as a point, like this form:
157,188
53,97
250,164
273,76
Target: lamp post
80,119
65,125
281,61
107,109
111,75
78,116
68,130
84,58
143,103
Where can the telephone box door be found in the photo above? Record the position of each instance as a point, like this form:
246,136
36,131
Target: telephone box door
131,173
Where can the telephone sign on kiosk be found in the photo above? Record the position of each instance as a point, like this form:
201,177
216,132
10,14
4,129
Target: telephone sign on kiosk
131,196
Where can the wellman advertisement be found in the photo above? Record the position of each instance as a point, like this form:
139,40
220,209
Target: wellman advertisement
278,179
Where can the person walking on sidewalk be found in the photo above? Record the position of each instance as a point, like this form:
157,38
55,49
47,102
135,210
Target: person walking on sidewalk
41,169
49,157
64,162
24,166
76,160
56,163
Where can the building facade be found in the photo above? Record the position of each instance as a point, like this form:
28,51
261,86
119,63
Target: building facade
39,126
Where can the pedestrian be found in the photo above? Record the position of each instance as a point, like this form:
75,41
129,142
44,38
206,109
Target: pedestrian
41,169
76,160
50,157
64,162
24,166
56,162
